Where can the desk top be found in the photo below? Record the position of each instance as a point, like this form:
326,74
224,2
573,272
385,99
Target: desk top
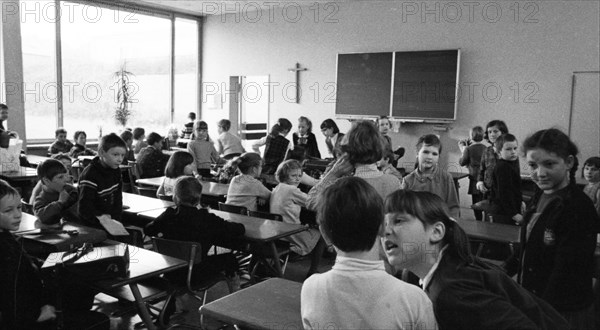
488,231
25,173
36,160
134,203
208,188
257,229
272,304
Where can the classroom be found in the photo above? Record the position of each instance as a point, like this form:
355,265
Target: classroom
532,64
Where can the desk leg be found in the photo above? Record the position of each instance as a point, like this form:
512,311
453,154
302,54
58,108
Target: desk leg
142,310
276,262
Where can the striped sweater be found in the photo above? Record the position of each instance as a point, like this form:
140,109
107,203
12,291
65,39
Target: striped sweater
100,192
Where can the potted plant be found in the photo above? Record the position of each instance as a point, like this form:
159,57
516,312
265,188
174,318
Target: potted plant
123,108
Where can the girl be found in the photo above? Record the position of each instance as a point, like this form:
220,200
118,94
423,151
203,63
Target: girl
561,225
276,147
466,293
202,149
493,130
180,164
472,150
591,173
244,189
288,200
333,137
305,142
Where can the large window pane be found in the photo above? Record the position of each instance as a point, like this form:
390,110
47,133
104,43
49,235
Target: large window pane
97,43
186,70
39,67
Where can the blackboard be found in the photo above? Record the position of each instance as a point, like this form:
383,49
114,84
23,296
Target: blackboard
364,83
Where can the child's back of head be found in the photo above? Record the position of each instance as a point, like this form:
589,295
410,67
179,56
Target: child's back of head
187,191
138,133
246,162
351,214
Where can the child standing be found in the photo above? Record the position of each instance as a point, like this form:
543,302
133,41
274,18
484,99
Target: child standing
276,145
229,145
472,152
244,189
58,199
506,196
79,149
591,173
288,200
202,149
493,130
180,164
357,293
100,184
561,225
61,145
305,142
429,177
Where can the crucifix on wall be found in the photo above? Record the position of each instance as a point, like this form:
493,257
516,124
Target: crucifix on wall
296,70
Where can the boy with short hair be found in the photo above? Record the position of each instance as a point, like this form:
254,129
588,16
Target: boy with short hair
188,128
127,136
385,164
80,149
58,197
228,144
62,144
37,190
357,293
139,134
100,184
506,196
428,176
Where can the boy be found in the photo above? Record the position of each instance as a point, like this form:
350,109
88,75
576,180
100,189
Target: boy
472,151
429,177
188,128
385,164
61,145
127,136
228,144
506,196
139,134
58,198
357,293
37,190
151,160
100,185
80,149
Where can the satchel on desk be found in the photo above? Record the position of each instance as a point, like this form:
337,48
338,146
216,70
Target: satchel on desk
93,263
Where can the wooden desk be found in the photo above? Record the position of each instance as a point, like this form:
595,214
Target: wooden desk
272,304
134,203
36,160
213,189
143,264
24,174
495,232
257,229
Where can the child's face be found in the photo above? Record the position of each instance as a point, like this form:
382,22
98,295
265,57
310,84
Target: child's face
428,157
294,176
201,134
220,129
548,170
493,133
62,137
327,132
302,127
10,212
406,240
58,182
67,164
113,157
591,173
509,151
4,114
81,139
384,126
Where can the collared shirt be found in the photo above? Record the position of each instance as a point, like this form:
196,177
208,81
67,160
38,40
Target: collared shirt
367,171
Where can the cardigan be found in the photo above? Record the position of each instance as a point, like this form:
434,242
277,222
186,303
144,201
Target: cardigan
244,190
229,144
204,153
152,162
506,195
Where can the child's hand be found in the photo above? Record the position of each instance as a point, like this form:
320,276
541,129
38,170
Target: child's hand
64,196
342,167
48,312
481,187
518,218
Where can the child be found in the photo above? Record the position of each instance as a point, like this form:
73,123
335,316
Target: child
203,149
561,225
25,300
188,128
3,116
139,134
591,173
58,198
305,142
493,130
466,293
429,177
277,146
288,200
506,196
229,145
37,190
127,136
186,222
472,151
357,293
384,125
100,185
333,137
151,160
61,145
385,164
79,149
244,189
180,164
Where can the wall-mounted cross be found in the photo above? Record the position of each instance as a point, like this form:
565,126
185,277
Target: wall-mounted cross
296,71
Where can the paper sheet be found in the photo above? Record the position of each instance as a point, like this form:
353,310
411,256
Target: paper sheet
113,227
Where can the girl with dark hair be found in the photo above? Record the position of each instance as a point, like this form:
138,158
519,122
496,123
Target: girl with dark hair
333,137
466,293
559,230
244,189
181,163
305,142
276,145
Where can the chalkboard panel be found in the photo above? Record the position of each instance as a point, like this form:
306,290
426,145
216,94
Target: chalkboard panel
364,84
425,85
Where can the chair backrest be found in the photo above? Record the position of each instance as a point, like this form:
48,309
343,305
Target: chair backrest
232,208
265,215
134,171
191,252
26,207
165,197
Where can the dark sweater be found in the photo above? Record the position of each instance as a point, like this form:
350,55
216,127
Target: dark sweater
275,152
50,210
152,162
100,192
309,147
506,195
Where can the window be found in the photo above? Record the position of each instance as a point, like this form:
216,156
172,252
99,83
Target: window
186,70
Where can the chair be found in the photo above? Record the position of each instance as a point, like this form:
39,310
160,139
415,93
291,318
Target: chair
233,208
264,252
192,253
26,207
134,175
